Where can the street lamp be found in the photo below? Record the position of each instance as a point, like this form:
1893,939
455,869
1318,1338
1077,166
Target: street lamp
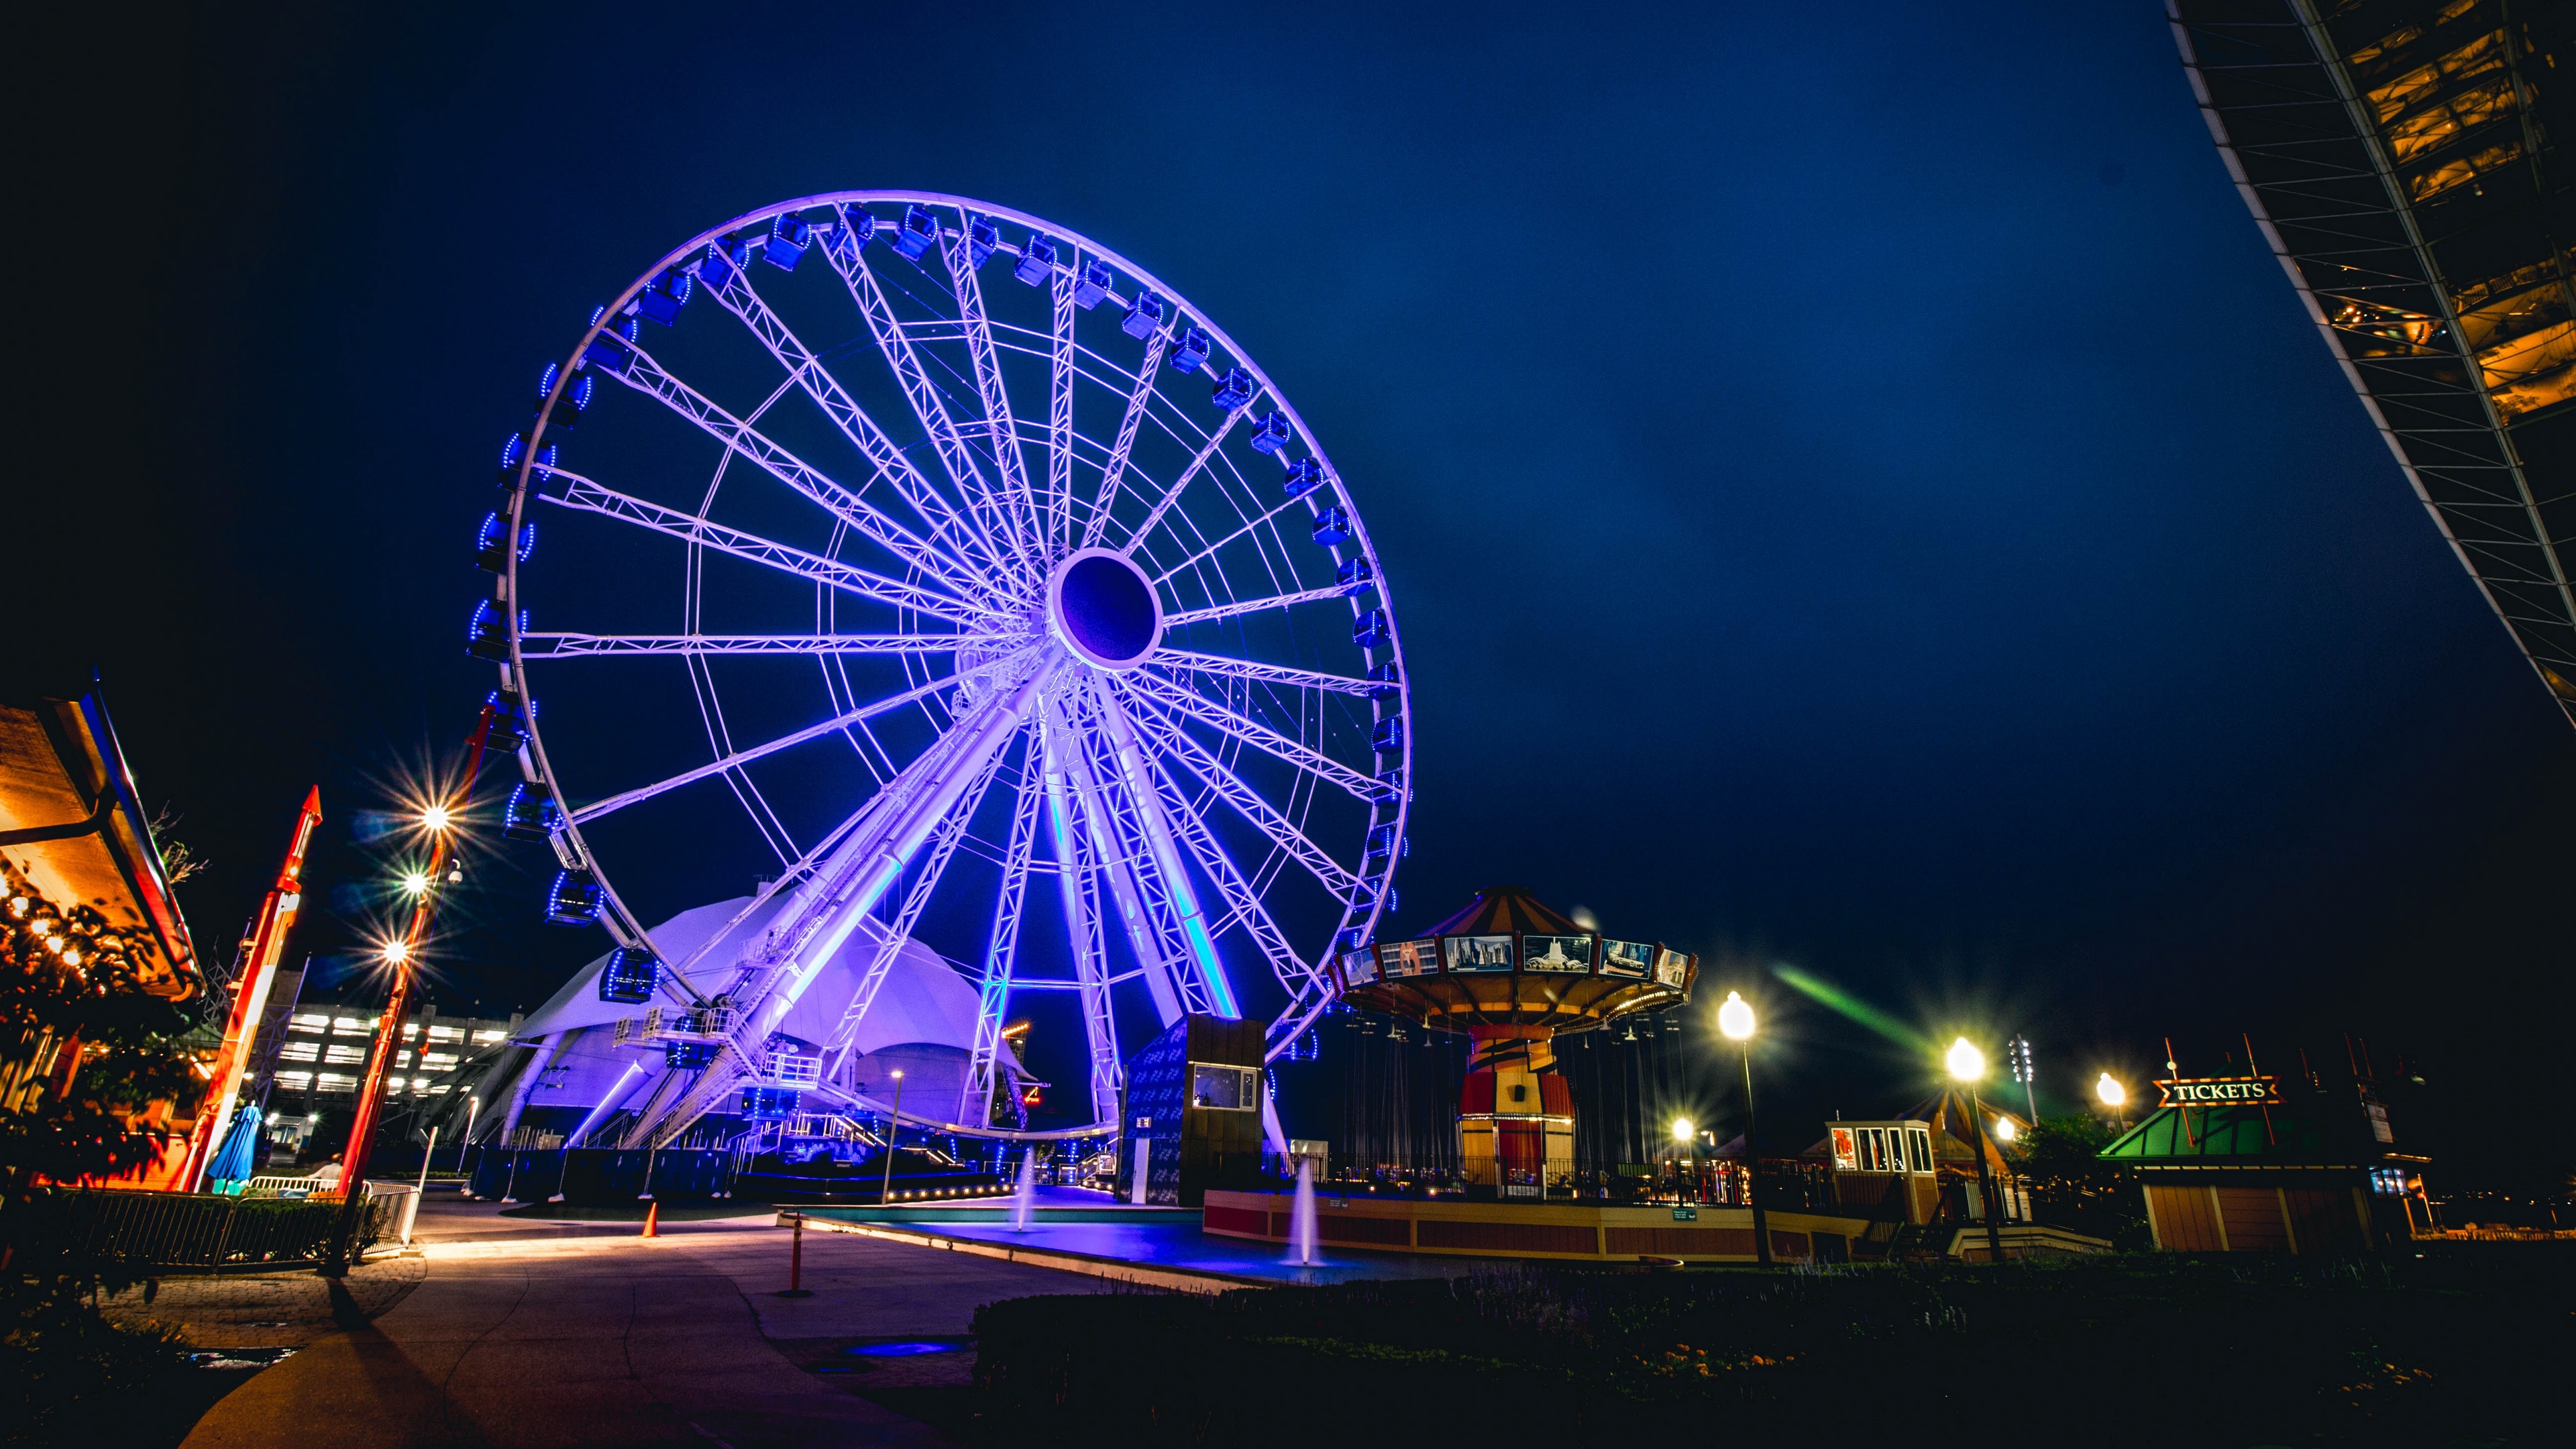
1967,1066
894,1124
2114,1096
1735,1019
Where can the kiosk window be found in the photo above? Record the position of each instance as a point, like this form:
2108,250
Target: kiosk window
1232,1088
1918,1145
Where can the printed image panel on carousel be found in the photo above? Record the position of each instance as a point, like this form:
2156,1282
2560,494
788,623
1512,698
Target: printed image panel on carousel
1409,958
1359,968
1632,959
1556,953
1478,953
1672,968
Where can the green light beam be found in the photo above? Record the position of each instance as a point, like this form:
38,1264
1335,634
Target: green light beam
1855,1008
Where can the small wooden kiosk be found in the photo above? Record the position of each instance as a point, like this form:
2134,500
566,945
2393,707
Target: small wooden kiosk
2232,1166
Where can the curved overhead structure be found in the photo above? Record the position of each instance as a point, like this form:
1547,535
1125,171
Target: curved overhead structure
2403,159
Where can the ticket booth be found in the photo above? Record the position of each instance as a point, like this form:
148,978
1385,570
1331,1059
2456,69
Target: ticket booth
2229,1165
1885,1170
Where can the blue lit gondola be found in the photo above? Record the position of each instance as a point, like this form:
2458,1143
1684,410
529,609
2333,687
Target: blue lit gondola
1037,259
575,899
1333,526
630,977
1190,349
1371,631
1234,390
531,813
788,238
1305,475
1094,285
919,231
1144,315
1271,433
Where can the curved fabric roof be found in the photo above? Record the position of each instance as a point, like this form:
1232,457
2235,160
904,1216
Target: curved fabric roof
2401,157
923,999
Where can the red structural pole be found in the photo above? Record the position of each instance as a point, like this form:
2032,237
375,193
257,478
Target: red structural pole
250,996
403,955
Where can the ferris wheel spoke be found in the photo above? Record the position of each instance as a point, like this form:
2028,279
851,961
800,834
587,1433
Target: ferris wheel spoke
1171,700
1001,955
1114,470
1219,665
896,934
1136,780
1172,495
841,249
1060,414
834,725
589,496
1077,889
589,646
1250,525
1249,804
1001,435
1243,904
646,376
891,463
1240,607
1161,951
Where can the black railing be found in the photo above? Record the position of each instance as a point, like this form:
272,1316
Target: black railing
169,1230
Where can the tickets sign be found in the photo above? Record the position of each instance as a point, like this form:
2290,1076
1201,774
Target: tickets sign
2221,1092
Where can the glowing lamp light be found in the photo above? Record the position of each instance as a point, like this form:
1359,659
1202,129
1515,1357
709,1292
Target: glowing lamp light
436,818
1967,1064
1682,1129
2110,1091
415,883
397,952
2004,1129
1735,1018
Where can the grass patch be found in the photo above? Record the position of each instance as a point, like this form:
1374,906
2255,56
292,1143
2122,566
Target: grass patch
2144,1350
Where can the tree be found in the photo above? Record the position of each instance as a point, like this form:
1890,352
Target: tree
89,1066
2062,1165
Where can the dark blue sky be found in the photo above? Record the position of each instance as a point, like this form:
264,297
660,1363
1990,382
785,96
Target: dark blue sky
1856,488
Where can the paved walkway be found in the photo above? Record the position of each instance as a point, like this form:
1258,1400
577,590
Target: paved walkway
587,1334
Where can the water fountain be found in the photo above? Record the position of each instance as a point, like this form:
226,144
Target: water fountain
1301,1222
1022,1200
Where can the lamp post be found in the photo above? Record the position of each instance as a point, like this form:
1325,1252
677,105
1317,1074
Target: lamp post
1735,1019
472,1106
1967,1067
1683,1129
2115,1097
894,1124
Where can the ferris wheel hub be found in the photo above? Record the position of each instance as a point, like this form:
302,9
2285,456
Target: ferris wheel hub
1104,609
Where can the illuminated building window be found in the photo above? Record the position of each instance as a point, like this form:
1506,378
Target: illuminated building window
301,1051
486,1038
351,1026
438,1059
314,1022
446,1033
345,1056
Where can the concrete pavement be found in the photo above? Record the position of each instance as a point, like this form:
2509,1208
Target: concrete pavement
590,1335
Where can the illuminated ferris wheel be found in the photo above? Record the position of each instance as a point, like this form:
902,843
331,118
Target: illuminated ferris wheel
964,583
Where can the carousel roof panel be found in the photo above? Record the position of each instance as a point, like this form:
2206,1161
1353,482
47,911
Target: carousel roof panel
1501,910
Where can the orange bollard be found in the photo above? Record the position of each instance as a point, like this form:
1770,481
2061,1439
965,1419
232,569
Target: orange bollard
653,1221
796,1264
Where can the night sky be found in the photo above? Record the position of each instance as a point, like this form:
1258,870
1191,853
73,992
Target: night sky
1857,490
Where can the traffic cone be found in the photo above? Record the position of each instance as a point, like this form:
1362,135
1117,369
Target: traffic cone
653,1221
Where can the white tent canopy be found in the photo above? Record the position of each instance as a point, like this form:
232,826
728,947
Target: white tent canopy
923,1006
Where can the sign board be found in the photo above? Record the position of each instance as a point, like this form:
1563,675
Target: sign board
1686,1215
2221,1092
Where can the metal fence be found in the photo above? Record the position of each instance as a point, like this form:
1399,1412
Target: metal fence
169,1230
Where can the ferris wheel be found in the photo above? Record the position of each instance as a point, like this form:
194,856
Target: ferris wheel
960,580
